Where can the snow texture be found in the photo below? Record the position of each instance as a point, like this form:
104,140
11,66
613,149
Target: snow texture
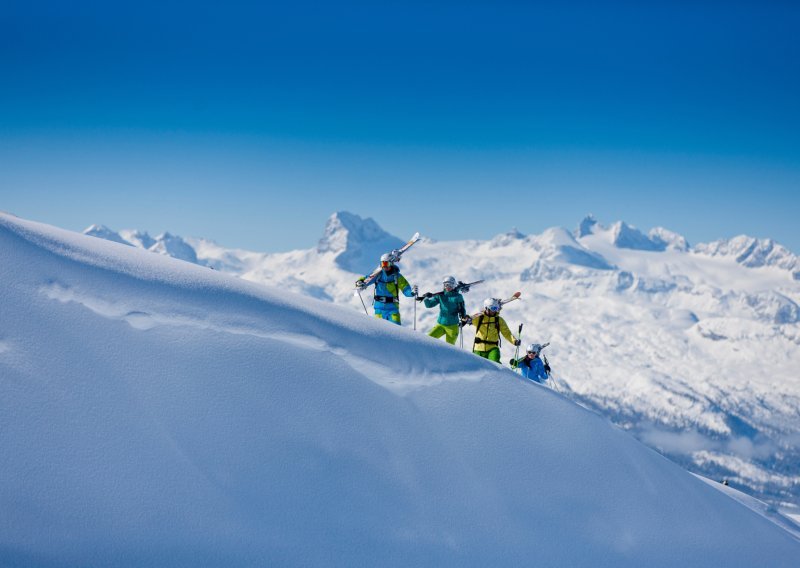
159,413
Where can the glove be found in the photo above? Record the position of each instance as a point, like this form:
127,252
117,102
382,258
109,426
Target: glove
415,289
547,368
360,283
517,342
466,320
514,363
428,295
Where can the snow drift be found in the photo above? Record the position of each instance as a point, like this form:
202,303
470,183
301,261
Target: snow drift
155,412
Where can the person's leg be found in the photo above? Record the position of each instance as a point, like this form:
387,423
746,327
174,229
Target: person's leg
438,331
452,333
494,355
484,354
388,315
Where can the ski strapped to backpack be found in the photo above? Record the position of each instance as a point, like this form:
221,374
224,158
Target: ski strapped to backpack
394,257
514,296
460,287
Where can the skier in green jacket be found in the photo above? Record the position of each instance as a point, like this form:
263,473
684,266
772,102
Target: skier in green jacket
451,310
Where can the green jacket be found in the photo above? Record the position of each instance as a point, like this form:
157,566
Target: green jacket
451,307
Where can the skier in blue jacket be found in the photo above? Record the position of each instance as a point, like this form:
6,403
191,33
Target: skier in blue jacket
531,366
451,310
388,285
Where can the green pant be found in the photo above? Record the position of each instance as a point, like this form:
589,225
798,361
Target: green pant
449,331
493,354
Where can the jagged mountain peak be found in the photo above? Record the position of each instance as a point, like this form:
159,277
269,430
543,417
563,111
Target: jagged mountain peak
586,226
628,236
357,243
343,229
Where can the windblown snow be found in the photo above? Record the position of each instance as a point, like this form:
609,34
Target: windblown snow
155,412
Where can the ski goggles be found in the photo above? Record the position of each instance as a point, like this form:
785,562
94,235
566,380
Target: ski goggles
385,264
448,285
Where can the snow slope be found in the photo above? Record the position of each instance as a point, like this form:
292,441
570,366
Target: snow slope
694,349
156,412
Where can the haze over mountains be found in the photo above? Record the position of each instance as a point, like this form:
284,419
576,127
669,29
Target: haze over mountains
692,348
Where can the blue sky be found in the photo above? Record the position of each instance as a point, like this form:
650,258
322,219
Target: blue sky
250,123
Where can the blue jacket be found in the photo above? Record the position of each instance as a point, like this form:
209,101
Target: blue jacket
451,307
387,285
533,369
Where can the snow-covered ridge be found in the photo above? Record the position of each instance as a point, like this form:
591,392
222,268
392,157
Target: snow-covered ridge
159,413
753,253
675,343
165,243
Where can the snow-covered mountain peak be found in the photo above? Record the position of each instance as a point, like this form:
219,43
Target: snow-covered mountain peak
174,246
627,236
166,243
137,238
357,243
559,245
753,253
505,239
557,237
103,232
668,239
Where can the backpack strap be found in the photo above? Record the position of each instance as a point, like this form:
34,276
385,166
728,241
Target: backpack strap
477,329
483,341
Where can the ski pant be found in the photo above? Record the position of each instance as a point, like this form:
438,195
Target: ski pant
450,332
389,315
493,354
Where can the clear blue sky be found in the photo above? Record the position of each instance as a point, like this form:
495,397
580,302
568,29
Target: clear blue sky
250,123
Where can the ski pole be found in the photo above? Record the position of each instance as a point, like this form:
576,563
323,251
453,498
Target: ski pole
415,313
519,337
358,292
550,376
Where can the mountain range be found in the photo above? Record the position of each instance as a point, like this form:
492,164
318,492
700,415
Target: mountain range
691,348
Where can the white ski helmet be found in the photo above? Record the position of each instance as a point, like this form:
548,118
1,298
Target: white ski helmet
387,258
534,348
491,304
449,281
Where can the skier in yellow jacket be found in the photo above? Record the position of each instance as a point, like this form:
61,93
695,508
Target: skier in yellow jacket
488,327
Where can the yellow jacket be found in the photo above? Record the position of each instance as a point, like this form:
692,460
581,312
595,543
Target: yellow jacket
488,330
